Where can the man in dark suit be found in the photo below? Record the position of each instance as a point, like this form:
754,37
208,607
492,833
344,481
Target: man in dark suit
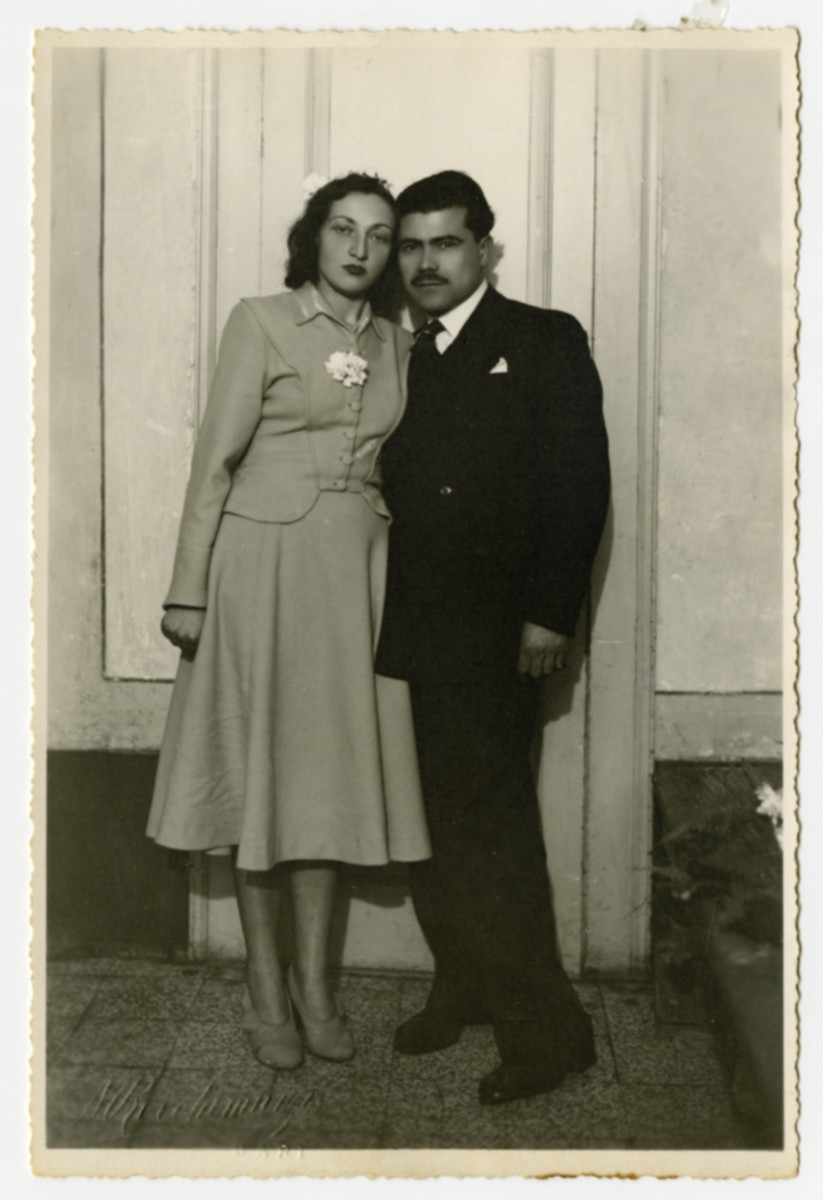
498,482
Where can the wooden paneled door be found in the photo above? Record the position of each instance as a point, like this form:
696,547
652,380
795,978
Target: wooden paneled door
203,157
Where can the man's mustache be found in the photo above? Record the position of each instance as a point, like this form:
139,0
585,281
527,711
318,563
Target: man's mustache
427,277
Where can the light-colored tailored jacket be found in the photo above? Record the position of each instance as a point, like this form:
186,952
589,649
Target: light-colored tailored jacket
279,429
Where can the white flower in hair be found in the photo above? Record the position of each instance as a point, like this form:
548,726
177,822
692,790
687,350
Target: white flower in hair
347,368
313,183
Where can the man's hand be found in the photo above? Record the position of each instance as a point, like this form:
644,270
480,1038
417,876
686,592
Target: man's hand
183,626
541,651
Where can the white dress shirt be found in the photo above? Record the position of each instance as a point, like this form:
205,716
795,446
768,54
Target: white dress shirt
454,320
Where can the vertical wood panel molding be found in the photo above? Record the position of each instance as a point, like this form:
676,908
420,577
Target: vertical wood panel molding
540,188
207,355
239,175
560,266
647,420
200,909
206,285
286,87
619,733
573,200
318,113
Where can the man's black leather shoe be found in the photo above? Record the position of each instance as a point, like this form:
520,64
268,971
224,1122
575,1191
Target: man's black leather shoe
514,1083
506,1083
427,1031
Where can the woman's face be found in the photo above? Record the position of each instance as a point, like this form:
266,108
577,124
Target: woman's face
354,244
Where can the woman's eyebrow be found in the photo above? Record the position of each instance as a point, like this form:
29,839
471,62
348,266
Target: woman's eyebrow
353,221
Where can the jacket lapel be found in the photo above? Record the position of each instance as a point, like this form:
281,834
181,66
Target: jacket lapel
479,344
469,360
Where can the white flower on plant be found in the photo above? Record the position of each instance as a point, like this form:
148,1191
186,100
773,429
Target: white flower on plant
347,368
313,183
771,806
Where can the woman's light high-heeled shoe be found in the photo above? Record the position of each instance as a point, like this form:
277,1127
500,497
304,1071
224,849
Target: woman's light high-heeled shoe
326,1037
275,1045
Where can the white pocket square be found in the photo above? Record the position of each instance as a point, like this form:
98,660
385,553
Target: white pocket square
500,367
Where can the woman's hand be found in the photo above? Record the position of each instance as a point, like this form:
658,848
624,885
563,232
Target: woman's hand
183,626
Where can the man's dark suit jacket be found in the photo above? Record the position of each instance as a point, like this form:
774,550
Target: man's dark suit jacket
498,484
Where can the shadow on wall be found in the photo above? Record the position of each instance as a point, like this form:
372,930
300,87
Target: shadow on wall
559,696
113,891
385,887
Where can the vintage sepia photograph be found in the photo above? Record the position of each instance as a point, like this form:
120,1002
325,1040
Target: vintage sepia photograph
415,743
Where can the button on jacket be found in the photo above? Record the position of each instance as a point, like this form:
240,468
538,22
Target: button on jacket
279,429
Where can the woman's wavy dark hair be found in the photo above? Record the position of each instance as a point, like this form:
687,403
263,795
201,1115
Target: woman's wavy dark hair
304,233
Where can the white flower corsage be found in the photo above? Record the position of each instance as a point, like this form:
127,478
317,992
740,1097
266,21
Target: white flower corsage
348,368
313,183
771,806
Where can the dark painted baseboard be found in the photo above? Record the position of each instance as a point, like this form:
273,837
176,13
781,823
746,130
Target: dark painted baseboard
110,889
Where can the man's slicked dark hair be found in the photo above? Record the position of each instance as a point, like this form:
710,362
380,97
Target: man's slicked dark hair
449,189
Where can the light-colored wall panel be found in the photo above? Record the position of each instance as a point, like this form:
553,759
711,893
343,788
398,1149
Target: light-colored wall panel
409,114
75,614
721,403
240,139
84,710
291,80
572,197
150,337
719,726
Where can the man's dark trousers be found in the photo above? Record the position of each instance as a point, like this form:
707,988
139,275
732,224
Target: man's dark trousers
483,899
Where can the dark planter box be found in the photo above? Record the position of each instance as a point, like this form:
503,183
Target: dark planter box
719,888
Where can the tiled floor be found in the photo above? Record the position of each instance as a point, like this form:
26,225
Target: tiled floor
151,1054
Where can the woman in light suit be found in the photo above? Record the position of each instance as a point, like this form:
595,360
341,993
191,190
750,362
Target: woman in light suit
281,743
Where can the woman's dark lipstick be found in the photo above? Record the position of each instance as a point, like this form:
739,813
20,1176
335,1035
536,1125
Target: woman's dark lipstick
353,269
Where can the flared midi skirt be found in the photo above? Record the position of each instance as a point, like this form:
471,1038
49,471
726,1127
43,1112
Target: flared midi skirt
280,739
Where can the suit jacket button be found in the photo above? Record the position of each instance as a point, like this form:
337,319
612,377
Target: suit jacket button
445,491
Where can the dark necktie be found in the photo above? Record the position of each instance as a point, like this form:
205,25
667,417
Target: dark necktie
424,365
424,339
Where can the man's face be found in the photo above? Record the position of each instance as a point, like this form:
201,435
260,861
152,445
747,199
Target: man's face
440,261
